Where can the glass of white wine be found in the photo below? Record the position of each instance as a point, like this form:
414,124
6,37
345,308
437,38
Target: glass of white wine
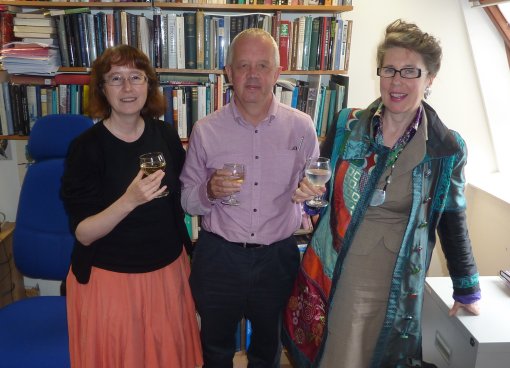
318,172
237,172
152,162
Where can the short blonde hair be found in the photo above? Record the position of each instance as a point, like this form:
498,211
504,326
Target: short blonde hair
254,33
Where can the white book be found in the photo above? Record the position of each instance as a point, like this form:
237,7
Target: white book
182,126
286,97
278,93
34,22
46,41
300,43
32,105
202,102
62,100
172,41
181,54
144,36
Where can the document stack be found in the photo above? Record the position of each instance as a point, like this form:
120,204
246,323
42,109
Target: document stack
30,58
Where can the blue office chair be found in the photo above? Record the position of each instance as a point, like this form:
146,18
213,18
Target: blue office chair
33,331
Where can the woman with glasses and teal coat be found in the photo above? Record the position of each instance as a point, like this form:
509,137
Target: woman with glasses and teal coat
398,178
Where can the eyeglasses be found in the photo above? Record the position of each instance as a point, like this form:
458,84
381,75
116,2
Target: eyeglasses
118,80
407,73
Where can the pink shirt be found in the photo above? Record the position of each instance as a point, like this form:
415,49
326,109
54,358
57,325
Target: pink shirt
274,153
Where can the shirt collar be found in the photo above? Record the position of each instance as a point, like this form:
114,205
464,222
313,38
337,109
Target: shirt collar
271,114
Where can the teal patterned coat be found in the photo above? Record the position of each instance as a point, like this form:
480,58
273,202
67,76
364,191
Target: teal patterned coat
438,204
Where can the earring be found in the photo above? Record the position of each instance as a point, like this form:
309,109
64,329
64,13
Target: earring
428,92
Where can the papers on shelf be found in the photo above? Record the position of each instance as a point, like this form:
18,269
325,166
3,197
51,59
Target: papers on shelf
30,58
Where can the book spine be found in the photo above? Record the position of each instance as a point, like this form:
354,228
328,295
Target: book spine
207,42
156,24
284,44
190,35
8,107
200,45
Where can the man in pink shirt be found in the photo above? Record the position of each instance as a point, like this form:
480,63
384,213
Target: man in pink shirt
246,257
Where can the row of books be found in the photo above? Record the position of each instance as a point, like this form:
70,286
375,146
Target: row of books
321,100
192,40
321,43
21,105
188,99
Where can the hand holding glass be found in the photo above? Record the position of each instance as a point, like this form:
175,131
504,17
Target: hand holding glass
152,162
237,175
318,172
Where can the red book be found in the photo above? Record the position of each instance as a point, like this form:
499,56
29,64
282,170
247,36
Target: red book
284,45
6,28
80,79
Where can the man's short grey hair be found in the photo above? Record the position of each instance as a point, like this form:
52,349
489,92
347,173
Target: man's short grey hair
255,33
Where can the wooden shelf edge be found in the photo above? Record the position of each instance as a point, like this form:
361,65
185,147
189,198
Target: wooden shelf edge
181,6
15,137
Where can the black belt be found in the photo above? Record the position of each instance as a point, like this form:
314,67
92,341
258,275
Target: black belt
243,245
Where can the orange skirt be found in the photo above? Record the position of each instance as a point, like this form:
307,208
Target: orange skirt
121,320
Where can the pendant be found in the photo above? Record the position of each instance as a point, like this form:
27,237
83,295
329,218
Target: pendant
378,197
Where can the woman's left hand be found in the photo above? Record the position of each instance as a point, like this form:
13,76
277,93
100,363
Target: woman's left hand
473,308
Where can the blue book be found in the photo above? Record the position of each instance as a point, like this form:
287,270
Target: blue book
295,94
221,44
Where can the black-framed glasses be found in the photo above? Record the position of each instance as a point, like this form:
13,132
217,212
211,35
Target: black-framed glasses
407,73
118,80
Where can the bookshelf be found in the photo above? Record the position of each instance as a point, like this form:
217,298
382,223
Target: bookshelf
149,9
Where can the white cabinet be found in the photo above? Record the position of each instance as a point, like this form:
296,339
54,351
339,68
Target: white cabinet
466,341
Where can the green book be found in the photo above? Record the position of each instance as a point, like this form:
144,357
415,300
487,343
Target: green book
307,41
190,40
314,44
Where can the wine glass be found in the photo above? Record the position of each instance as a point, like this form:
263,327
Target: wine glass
318,172
237,172
152,162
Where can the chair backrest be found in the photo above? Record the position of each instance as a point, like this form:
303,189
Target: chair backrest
42,241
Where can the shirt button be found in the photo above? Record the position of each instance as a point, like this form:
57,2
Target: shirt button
256,157
256,183
254,210
252,234
256,131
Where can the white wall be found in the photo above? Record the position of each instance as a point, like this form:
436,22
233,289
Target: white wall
455,93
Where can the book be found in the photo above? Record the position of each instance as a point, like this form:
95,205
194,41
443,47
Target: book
8,107
341,84
181,57
4,129
55,12
172,41
35,22
6,28
35,35
314,44
284,45
200,40
190,40
34,14
307,42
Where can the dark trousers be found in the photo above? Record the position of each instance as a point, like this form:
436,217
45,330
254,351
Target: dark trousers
229,282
